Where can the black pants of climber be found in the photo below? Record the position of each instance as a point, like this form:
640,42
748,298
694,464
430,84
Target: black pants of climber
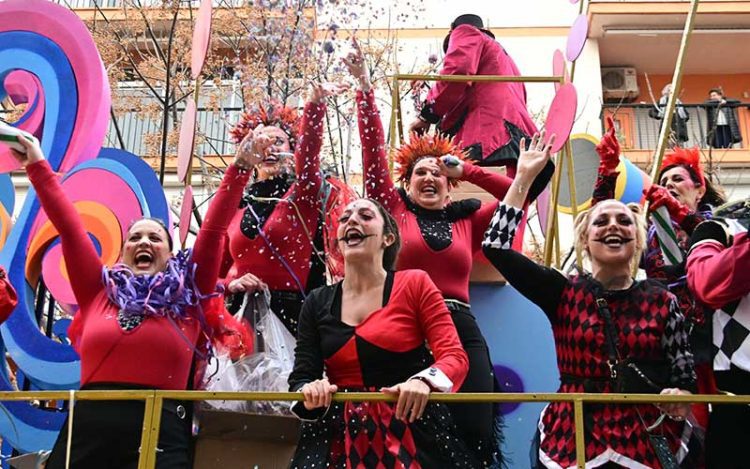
476,422
107,434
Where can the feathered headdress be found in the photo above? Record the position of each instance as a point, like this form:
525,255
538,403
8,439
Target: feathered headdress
421,146
275,114
688,157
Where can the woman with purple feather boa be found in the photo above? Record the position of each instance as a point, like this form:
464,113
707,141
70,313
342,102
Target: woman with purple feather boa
142,323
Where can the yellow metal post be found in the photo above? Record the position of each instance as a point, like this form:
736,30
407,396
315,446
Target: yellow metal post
549,242
572,192
148,416
666,123
580,440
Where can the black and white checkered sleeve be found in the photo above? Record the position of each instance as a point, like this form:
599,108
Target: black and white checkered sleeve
502,229
675,342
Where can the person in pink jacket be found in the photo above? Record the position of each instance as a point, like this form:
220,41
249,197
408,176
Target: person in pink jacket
489,119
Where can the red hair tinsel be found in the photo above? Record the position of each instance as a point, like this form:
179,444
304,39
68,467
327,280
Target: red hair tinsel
421,146
275,114
688,157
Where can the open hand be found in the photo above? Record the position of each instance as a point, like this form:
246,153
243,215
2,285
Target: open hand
355,63
534,159
320,91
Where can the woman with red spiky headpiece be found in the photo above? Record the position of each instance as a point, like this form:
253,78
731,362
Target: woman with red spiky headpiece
439,236
275,240
689,197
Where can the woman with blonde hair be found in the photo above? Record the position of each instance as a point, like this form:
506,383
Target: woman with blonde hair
612,333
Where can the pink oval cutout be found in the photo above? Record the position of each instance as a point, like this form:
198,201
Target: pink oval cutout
562,113
201,37
186,214
573,1
577,38
559,68
187,140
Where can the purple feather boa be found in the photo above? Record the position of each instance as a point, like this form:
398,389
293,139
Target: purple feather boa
165,294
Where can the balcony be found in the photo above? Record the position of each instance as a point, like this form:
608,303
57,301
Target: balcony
639,133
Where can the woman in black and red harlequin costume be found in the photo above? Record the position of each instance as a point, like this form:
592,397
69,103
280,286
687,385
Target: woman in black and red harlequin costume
646,326
689,197
369,333
441,237
276,239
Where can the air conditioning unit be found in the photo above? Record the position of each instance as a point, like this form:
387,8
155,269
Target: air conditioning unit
619,84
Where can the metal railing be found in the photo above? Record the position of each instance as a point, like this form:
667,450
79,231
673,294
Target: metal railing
644,129
154,400
212,128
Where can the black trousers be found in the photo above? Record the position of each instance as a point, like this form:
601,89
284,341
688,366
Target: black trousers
722,137
727,437
107,434
475,422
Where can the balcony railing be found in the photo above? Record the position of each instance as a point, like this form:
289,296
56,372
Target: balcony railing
639,131
212,128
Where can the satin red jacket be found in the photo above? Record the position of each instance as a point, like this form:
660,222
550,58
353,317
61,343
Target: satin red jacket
484,107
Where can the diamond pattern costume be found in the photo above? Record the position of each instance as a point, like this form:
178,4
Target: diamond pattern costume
649,327
385,349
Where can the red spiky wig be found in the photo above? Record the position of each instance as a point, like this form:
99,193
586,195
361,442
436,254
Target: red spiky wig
422,146
690,158
275,114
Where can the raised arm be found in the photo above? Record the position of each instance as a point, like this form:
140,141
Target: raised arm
78,250
209,242
378,182
541,285
717,268
609,155
451,363
307,154
462,58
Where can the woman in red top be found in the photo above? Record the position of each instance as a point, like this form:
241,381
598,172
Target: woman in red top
140,323
275,239
368,333
439,237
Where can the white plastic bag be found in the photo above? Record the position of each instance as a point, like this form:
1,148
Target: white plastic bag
265,370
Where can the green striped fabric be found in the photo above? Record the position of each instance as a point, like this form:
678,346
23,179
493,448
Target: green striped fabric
667,238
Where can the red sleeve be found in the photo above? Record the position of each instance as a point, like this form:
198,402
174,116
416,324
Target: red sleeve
718,275
210,240
439,330
496,184
378,182
462,58
76,244
307,155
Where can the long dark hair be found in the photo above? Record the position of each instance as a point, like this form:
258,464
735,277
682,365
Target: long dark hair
714,195
390,254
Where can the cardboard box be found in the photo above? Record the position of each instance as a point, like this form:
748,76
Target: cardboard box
230,440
